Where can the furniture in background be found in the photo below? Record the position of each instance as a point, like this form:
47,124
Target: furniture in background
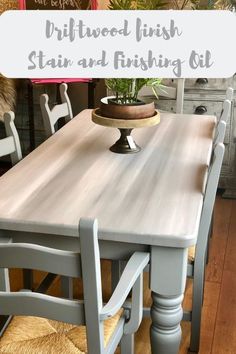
203,97
172,92
106,325
11,144
91,83
72,5
62,110
125,192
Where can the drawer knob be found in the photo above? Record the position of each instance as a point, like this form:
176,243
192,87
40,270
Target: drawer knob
202,81
200,110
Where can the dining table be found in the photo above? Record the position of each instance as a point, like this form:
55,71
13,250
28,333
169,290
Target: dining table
146,201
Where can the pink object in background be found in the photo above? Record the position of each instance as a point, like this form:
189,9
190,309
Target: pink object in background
22,6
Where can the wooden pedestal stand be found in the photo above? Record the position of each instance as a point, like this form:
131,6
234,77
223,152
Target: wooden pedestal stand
125,144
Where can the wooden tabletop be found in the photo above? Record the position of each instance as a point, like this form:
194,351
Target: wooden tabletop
152,197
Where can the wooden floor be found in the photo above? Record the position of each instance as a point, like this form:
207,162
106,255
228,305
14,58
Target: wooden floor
218,335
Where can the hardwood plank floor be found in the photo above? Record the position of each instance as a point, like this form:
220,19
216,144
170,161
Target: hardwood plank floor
218,332
225,328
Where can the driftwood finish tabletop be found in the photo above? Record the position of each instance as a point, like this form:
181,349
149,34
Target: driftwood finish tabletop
152,197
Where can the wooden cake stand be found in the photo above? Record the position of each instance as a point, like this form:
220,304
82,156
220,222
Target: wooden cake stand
125,144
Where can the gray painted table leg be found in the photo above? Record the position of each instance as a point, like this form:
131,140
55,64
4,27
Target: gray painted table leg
166,314
167,282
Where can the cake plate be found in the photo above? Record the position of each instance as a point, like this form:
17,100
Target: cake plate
126,143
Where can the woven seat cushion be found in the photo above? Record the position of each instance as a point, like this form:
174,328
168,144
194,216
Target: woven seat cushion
35,335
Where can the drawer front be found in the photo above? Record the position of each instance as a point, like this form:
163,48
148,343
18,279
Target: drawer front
214,84
201,83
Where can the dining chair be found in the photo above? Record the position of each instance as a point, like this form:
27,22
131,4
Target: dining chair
221,125
33,325
51,116
197,255
196,267
11,144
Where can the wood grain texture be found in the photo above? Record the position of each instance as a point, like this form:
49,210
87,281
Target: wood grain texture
124,123
73,174
218,242
225,331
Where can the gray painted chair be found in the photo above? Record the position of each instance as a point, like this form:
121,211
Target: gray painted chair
221,125
11,144
196,268
225,114
109,323
51,116
198,255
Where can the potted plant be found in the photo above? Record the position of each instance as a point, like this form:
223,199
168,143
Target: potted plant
125,103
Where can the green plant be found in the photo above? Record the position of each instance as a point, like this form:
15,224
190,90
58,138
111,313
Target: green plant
137,4
126,90
170,4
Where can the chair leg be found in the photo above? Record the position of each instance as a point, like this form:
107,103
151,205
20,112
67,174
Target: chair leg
210,234
115,273
198,291
67,287
127,344
28,279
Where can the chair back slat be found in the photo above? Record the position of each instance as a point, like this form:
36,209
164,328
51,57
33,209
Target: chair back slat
59,111
51,116
65,99
7,146
11,144
26,303
31,256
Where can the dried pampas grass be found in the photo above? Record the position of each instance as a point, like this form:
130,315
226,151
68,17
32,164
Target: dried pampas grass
7,95
8,5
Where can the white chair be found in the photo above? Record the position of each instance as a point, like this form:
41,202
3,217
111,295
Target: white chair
221,125
51,116
106,325
196,268
170,92
11,144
